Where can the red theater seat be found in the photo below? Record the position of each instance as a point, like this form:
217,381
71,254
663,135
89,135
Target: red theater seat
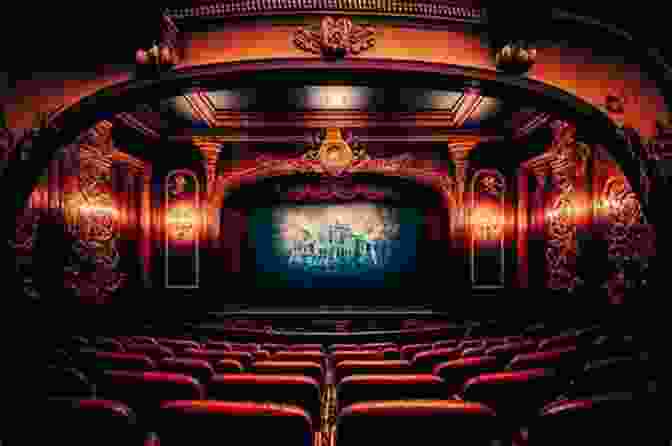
80,422
421,422
272,348
154,351
408,351
471,343
621,374
564,360
262,355
222,422
343,347
305,347
143,340
424,362
358,388
197,368
66,382
517,396
218,345
557,342
122,361
144,391
245,358
307,368
179,345
361,355
474,351
457,372
601,420
347,368
108,345
209,355
301,391
378,346
506,352
228,366
313,356
448,343
249,348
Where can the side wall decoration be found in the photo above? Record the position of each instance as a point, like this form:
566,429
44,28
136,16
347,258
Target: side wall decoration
487,224
183,231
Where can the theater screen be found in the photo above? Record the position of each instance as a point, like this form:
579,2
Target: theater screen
340,245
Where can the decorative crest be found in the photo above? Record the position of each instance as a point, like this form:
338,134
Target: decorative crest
336,38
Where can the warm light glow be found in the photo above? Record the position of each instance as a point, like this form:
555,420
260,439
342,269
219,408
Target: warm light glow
182,221
487,223
98,210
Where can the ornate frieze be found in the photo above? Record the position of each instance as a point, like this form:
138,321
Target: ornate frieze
431,10
335,38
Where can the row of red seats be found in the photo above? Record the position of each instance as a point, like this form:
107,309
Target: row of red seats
609,419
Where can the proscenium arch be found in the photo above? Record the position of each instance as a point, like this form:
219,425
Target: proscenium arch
21,176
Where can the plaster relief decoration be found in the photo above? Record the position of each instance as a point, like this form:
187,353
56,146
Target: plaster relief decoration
335,38
91,219
182,234
487,224
516,57
338,158
163,54
631,241
561,235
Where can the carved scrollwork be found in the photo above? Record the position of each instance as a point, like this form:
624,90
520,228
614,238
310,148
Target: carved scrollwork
335,38
561,248
490,184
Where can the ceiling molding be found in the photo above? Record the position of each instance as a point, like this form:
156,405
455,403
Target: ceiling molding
405,8
131,121
324,119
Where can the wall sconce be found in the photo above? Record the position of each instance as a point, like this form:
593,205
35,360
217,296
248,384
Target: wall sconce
182,222
487,224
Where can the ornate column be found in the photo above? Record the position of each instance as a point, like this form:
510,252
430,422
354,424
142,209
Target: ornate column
210,151
522,226
459,152
146,220
539,168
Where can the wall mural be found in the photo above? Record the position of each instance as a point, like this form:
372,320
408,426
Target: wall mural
487,223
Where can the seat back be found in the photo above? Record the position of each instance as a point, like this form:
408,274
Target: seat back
145,391
348,368
343,347
506,352
199,369
143,340
315,356
72,421
457,372
272,348
209,355
408,351
154,351
446,343
305,348
228,366
378,345
474,351
564,360
301,391
178,345
101,361
249,348
306,368
517,396
617,418
203,422
424,362
619,374
360,388
217,345
557,342
412,422
358,355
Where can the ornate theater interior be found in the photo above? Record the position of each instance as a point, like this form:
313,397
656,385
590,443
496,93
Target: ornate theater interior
291,153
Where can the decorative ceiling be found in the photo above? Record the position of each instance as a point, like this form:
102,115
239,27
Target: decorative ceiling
314,106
